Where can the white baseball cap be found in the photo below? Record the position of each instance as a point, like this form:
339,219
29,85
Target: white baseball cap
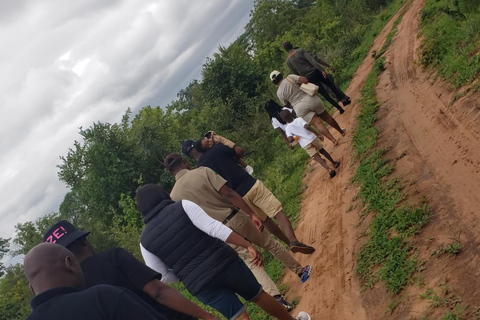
274,75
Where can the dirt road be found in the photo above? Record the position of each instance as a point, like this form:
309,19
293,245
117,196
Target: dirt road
435,146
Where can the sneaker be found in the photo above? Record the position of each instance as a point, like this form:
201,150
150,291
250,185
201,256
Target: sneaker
296,246
302,315
284,303
305,274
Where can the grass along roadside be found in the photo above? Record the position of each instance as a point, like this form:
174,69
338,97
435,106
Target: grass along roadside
451,42
387,254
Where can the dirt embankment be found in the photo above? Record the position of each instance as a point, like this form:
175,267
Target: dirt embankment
435,146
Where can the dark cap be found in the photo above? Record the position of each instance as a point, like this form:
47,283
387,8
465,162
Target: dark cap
63,233
171,160
187,147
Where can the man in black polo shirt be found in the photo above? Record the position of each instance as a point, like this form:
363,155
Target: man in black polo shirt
56,279
221,159
119,267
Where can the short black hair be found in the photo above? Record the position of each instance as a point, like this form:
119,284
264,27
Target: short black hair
149,196
278,78
287,46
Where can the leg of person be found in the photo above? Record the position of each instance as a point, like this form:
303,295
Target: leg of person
263,199
308,109
329,82
262,277
218,296
324,93
271,226
312,150
242,282
329,157
325,116
317,123
244,226
318,79
321,161
259,272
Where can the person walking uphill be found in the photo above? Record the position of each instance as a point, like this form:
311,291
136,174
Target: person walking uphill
311,109
222,160
56,279
181,236
118,267
304,64
209,190
307,138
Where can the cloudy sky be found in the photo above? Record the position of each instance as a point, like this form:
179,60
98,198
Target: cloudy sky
66,64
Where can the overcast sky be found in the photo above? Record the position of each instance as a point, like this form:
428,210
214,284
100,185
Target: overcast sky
66,64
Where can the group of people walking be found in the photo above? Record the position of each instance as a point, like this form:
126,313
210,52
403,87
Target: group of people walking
204,233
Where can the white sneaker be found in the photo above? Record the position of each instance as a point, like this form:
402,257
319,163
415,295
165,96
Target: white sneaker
302,315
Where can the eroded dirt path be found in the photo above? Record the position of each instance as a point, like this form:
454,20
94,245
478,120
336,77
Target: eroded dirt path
435,146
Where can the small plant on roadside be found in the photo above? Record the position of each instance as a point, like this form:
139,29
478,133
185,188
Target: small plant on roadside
434,300
455,314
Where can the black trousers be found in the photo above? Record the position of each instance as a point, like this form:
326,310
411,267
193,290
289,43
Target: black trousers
318,79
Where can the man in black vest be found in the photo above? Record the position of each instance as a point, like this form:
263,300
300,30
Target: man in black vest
56,280
221,159
181,236
118,267
302,63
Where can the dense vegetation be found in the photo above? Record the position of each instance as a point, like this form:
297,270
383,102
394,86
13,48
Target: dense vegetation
107,165
451,31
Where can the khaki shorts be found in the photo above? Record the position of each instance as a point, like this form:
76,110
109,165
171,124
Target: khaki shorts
262,201
313,147
309,107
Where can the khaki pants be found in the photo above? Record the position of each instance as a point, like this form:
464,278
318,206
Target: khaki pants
242,224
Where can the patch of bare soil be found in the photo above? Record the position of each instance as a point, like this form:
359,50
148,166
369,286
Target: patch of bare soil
435,146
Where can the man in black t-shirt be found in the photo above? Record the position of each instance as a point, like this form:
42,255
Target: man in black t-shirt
117,266
221,159
56,279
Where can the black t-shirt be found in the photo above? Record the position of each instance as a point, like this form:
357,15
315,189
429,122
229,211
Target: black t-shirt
118,267
96,303
221,159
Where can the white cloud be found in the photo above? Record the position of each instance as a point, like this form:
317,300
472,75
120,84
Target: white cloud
66,64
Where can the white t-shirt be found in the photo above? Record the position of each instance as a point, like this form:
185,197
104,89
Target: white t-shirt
289,92
202,221
277,124
296,128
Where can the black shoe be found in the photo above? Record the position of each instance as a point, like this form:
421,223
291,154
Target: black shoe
333,173
296,246
341,110
346,101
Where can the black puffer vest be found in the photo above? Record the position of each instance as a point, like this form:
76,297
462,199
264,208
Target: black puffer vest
195,257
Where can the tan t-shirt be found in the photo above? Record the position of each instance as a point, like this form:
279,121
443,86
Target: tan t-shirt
289,92
202,186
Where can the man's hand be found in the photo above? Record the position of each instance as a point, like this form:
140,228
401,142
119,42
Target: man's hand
324,74
332,69
257,222
257,259
291,145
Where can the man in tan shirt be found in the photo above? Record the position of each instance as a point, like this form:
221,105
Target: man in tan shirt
209,190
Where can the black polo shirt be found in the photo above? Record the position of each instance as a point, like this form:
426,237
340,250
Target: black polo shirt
118,267
222,160
98,302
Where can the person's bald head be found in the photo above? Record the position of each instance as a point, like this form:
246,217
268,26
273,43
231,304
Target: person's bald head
49,265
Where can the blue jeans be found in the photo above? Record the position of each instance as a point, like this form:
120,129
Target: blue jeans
221,293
